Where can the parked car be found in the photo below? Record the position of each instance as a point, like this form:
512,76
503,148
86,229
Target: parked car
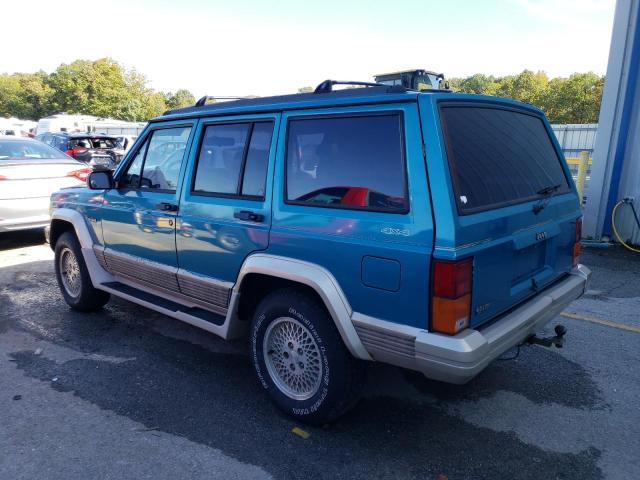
30,172
125,142
432,231
92,149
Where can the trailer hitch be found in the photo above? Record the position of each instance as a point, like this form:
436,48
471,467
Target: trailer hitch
557,340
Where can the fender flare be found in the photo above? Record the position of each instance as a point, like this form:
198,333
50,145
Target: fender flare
87,241
78,222
314,276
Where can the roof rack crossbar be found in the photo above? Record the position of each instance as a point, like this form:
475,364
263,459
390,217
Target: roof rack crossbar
327,85
206,98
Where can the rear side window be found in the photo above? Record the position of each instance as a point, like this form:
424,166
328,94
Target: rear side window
498,157
59,142
354,162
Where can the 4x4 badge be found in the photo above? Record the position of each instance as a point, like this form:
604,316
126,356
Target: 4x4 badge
396,231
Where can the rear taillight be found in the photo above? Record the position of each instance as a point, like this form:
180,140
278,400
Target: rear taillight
576,242
451,296
81,174
75,151
2,177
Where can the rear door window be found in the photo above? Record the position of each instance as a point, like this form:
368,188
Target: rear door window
255,170
233,160
220,159
499,157
354,162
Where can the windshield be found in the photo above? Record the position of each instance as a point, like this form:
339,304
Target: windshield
26,150
499,157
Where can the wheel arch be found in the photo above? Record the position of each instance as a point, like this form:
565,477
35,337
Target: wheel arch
69,220
66,219
262,273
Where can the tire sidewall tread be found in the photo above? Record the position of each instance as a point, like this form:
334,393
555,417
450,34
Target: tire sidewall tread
89,298
339,380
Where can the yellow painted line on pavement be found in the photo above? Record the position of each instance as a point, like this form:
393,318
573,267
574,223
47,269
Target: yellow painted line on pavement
599,321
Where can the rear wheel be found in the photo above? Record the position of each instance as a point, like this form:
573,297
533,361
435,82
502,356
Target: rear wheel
300,359
73,277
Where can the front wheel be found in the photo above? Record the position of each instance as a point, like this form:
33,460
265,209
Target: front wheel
73,277
300,359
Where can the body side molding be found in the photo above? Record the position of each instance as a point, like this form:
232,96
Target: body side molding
314,276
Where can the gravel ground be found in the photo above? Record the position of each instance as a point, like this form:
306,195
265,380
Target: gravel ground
128,393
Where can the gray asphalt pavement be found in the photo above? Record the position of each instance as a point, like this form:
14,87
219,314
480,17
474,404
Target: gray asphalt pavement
130,394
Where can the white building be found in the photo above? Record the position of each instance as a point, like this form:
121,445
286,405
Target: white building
615,174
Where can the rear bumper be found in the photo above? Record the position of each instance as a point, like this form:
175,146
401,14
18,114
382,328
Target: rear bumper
459,358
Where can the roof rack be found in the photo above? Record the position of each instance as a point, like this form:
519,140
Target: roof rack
206,98
290,100
327,85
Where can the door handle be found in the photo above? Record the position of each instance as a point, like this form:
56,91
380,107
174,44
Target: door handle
168,207
248,216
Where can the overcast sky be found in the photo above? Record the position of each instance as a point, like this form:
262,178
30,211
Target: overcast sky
248,47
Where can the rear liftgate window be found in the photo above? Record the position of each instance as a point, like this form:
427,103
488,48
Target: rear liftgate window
354,162
499,157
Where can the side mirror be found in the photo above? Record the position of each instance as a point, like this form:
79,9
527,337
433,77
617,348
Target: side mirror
100,180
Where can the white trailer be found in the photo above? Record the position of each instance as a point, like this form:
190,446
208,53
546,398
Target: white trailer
63,122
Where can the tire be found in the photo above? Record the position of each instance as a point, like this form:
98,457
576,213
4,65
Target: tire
284,321
73,277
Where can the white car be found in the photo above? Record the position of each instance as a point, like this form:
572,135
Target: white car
30,172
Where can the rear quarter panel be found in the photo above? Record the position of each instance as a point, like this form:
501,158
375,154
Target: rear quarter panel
358,245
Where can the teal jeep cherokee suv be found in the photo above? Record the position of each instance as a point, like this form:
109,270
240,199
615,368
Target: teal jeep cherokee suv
428,230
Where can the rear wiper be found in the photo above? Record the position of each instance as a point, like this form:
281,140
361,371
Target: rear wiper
547,192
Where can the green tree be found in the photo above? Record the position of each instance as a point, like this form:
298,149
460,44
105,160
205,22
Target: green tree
564,100
478,83
36,94
24,95
575,99
182,98
526,87
10,103
104,88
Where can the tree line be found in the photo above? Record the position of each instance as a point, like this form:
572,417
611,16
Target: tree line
103,88
106,89
564,100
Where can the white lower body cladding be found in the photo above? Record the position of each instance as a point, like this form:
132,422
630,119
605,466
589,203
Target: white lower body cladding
459,358
452,359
